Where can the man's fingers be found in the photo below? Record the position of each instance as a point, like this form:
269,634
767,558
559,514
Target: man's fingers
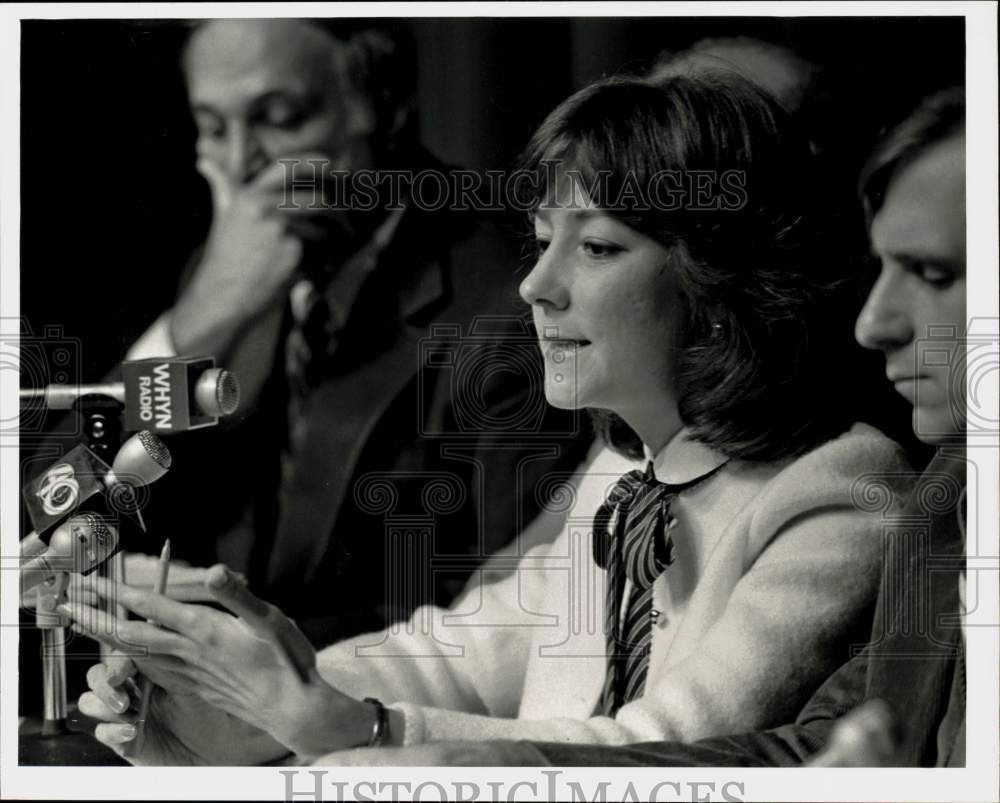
864,737
300,168
218,184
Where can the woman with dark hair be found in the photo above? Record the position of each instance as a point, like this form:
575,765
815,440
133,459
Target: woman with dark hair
764,319
684,289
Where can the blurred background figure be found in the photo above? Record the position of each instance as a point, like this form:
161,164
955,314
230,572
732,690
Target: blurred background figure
776,69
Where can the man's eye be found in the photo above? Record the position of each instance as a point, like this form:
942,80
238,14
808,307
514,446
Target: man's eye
934,275
209,127
939,277
599,249
283,116
540,247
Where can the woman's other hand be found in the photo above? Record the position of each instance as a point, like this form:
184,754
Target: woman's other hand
255,665
179,730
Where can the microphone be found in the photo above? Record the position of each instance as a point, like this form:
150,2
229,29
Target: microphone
142,459
78,545
162,394
80,475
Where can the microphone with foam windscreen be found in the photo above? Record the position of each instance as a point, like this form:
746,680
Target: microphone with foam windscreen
162,394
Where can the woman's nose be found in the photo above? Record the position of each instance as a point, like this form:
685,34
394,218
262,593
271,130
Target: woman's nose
885,321
547,284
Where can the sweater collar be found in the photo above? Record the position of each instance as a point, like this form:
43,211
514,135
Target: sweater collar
684,459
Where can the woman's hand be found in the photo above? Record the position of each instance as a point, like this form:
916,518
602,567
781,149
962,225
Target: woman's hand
179,730
256,666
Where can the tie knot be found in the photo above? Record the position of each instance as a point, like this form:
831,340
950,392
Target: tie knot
633,486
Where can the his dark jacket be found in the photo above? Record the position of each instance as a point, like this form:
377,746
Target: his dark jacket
424,443
910,662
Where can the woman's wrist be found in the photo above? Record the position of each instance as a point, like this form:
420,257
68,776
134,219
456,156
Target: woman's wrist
328,721
339,723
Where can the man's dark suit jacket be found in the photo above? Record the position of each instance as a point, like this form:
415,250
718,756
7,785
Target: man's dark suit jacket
426,440
910,662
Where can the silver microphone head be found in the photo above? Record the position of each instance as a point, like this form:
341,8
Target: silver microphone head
155,448
217,393
81,543
143,459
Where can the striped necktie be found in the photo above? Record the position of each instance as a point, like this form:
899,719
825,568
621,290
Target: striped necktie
639,548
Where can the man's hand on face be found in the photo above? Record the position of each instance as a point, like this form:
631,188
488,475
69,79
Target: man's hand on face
254,251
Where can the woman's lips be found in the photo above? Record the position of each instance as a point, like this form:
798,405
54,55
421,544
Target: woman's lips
565,343
561,349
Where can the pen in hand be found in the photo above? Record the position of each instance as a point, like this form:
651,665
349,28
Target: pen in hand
146,685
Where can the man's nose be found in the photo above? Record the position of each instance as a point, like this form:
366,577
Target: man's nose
244,157
547,283
885,321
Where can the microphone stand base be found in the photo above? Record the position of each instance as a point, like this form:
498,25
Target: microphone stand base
56,743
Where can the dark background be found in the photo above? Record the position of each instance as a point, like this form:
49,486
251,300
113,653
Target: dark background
111,205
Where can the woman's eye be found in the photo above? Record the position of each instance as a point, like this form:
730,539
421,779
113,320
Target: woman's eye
600,249
540,247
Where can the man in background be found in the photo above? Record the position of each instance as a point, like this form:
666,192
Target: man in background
353,485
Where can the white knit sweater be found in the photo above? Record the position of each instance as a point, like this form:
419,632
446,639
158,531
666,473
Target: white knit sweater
774,565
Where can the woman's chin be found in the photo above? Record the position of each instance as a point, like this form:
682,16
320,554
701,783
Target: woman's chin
562,396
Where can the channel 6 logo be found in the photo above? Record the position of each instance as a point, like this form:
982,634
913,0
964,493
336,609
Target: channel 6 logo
492,379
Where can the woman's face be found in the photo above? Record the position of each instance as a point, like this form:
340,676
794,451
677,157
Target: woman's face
607,312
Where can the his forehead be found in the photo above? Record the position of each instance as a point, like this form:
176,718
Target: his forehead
259,56
924,207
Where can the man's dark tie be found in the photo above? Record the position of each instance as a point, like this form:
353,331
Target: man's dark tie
639,548
311,342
